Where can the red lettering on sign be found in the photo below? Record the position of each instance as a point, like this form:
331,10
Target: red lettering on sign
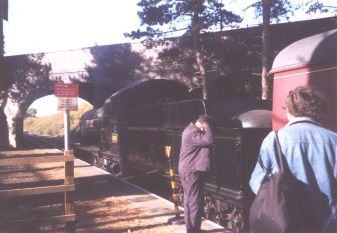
66,89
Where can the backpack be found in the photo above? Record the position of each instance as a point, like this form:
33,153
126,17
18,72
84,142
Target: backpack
280,205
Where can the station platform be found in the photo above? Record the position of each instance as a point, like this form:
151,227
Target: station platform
155,207
103,203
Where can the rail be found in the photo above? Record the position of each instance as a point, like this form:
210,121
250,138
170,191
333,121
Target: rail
68,188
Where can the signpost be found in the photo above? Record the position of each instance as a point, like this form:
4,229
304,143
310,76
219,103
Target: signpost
67,94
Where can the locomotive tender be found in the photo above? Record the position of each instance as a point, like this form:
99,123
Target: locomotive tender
137,122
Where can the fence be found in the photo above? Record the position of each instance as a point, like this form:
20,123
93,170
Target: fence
68,188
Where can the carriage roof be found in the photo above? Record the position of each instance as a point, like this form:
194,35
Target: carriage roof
316,50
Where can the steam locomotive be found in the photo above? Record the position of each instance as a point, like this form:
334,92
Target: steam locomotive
137,121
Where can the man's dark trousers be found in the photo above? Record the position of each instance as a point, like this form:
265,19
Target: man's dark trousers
193,185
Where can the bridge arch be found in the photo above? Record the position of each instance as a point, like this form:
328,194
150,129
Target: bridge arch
15,111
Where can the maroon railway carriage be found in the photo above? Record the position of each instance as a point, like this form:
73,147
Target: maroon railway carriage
307,62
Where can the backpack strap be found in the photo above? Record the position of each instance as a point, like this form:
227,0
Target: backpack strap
278,155
306,121
281,161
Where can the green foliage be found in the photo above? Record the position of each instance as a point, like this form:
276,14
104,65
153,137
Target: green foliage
314,7
192,16
278,9
113,68
31,112
275,10
53,125
28,75
285,9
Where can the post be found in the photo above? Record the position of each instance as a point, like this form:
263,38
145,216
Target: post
67,94
66,130
177,219
69,196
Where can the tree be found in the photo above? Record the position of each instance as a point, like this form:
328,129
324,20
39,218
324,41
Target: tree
31,112
112,68
269,9
276,10
192,17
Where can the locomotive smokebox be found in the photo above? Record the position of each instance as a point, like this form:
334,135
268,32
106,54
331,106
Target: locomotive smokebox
307,62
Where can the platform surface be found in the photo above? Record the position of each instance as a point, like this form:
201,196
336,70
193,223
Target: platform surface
103,203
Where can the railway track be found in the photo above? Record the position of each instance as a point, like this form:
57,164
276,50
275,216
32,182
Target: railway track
33,140
150,181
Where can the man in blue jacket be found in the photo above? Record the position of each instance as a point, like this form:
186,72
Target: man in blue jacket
311,153
194,162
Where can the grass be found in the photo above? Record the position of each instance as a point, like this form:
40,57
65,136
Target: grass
53,124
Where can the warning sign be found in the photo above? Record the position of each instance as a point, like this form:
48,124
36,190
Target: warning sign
66,89
67,103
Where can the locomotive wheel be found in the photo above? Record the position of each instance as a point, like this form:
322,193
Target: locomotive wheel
210,214
114,168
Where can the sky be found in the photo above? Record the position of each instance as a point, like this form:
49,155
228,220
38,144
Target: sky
58,25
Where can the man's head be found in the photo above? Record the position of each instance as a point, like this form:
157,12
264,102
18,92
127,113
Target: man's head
304,101
204,120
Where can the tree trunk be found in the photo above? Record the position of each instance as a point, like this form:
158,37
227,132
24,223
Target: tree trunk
3,93
265,87
196,28
201,66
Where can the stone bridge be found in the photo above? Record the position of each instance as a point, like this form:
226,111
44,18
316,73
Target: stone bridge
232,61
99,71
